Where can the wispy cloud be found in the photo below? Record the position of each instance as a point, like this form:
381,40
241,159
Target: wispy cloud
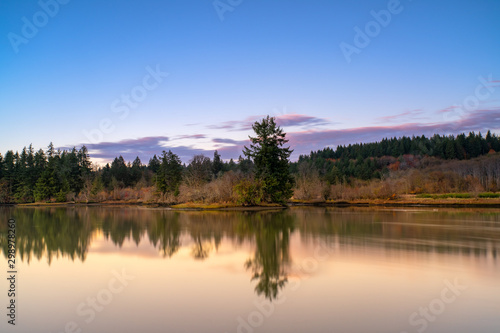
235,125
191,136
407,115
451,108
226,141
131,148
302,141
294,119
288,120
146,147
305,141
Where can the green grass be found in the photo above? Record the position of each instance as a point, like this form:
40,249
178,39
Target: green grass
489,195
425,196
457,195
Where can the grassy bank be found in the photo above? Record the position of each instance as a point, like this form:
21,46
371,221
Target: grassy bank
432,200
441,200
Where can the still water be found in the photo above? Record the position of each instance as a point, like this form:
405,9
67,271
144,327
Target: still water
119,269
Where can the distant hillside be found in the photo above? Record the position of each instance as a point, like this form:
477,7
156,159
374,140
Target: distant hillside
372,160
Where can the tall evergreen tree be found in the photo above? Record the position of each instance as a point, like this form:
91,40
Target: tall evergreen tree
169,175
154,164
84,161
136,170
217,164
271,160
119,171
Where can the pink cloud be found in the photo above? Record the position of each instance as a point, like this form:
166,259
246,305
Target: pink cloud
449,109
305,141
288,120
398,117
302,142
294,119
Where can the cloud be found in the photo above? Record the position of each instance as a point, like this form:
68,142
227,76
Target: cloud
286,120
451,108
191,136
233,152
234,125
305,141
401,116
294,119
228,141
302,142
145,148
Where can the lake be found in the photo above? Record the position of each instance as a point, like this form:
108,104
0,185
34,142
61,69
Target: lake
303,269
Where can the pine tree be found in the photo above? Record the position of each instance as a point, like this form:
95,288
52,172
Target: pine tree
450,150
169,175
136,171
49,184
217,164
84,163
154,164
271,160
119,171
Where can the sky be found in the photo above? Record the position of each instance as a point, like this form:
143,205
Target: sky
134,78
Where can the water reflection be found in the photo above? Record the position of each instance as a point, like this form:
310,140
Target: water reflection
165,233
272,252
47,233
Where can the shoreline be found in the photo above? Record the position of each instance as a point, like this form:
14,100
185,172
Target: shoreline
402,202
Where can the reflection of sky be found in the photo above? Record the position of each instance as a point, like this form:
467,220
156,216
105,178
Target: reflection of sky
280,58
176,294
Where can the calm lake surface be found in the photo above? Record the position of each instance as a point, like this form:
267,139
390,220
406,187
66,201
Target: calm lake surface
117,269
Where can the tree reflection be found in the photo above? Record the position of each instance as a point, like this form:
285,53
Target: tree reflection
51,232
206,230
119,226
47,233
272,252
200,250
165,232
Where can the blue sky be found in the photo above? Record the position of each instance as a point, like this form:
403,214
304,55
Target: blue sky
139,77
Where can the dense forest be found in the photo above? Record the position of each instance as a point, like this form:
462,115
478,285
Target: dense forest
391,167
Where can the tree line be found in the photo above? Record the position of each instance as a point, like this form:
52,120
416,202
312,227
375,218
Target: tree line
37,176
263,174
56,174
373,160
68,175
